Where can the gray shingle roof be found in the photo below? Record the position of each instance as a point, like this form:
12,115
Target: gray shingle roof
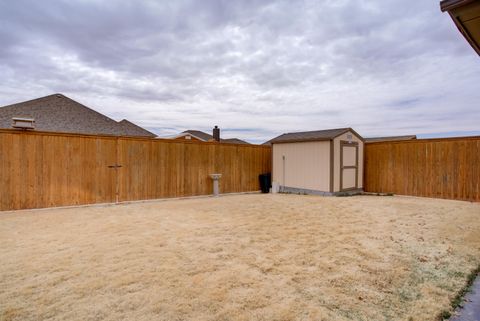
131,129
58,113
234,141
316,135
207,137
389,138
198,133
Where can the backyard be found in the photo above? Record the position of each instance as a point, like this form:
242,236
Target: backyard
239,257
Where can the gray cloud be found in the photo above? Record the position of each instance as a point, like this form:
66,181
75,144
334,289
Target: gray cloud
256,68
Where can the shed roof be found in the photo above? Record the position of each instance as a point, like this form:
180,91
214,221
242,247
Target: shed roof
317,135
58,113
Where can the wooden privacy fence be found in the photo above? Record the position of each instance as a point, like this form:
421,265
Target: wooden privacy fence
441,168
39,169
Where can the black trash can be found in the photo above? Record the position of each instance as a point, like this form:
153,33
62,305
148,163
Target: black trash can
265,182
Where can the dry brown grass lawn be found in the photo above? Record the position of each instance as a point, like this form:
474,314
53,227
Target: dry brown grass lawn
244,257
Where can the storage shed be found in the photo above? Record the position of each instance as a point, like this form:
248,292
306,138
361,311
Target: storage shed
325,162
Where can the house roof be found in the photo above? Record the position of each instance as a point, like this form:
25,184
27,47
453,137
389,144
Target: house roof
466,16
389,138
452,4
316,135
234,141
58,113
199,134
132,129
207,137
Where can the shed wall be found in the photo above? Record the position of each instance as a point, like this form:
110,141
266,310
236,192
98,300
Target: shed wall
307,165
336,161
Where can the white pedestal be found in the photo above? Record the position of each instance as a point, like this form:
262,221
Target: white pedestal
215,178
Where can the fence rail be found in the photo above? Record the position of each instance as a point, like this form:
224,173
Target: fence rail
441,168
40,169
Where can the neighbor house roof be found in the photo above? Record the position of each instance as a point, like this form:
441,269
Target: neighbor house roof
234,141
316,135
207,137
199,134
131,129
58,113
466,16
389,138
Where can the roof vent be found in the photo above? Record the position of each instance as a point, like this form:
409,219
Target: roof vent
23,123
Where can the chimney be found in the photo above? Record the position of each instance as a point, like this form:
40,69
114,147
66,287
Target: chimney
216,133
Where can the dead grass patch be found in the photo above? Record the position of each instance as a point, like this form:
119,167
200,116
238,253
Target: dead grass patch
245,257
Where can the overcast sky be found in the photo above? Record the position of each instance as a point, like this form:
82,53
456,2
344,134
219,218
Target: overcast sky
256,68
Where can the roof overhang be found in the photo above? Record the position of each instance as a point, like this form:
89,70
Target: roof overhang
323,139
466,16
303,140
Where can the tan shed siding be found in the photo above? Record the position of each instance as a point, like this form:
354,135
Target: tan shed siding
349,178
336,162
307,165
349,156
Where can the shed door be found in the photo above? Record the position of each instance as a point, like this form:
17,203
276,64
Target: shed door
348,166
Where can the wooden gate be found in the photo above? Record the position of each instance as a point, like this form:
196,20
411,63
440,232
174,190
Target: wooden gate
55,170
